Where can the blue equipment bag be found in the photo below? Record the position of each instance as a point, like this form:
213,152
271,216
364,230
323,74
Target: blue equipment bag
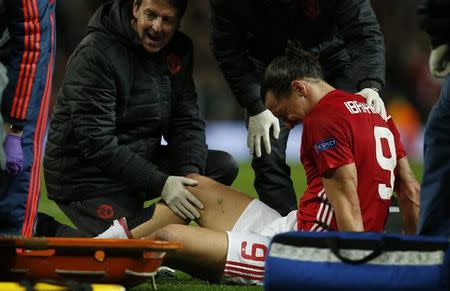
344,260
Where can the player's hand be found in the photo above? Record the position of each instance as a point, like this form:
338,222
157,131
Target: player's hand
14,154
440,61
179,199
259,127
373,99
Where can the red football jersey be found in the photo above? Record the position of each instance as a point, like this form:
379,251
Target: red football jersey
342,129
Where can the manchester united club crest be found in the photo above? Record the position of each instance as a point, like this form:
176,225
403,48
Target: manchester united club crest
105,211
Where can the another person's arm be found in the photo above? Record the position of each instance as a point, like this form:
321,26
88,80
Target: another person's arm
364,42
228,39
186,134
408,195
437,25
341,187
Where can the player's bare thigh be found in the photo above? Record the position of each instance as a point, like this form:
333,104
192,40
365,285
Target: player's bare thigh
223,205
204,251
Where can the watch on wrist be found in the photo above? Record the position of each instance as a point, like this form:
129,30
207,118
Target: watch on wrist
16,129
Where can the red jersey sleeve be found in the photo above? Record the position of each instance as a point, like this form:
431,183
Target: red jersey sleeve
329,141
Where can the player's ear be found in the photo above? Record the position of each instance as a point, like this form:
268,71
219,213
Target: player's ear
135,9
299,87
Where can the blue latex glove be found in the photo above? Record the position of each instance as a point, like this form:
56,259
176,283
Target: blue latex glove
14,154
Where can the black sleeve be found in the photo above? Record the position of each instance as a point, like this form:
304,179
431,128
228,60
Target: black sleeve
186,136
90,88
228,43
434,18
364,42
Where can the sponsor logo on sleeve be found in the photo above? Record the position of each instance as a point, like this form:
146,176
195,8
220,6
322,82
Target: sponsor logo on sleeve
326,144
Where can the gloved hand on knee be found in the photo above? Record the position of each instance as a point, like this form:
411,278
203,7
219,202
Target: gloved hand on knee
179,199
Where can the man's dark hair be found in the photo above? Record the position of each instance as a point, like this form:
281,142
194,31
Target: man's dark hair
295,64
180,5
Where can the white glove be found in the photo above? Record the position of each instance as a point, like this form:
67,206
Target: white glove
179,199
440,61
373,99
258,127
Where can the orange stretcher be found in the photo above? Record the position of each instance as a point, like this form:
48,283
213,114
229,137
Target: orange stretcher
124,261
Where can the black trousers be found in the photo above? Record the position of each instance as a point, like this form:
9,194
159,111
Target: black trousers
272,175
95,215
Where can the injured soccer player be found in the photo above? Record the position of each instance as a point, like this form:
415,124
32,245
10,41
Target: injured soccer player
353,160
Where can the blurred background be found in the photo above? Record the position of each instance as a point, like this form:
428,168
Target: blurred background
409,93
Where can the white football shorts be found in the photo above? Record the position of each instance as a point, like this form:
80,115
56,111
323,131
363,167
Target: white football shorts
249,240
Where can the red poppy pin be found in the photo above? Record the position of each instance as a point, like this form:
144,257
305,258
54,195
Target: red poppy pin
173,63
311,8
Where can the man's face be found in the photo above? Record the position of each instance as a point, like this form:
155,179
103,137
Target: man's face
156,22
289,109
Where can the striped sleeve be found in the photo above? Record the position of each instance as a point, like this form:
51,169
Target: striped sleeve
29,55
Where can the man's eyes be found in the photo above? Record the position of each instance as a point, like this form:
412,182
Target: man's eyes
151,15
166,19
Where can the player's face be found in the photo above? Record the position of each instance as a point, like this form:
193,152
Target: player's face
156,22
289,109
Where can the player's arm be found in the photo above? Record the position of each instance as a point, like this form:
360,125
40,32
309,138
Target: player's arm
341,188
408,191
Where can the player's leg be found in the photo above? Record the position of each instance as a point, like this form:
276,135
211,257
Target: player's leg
222,208
156,217
162,216
216,255
225,209
223,205
203,254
